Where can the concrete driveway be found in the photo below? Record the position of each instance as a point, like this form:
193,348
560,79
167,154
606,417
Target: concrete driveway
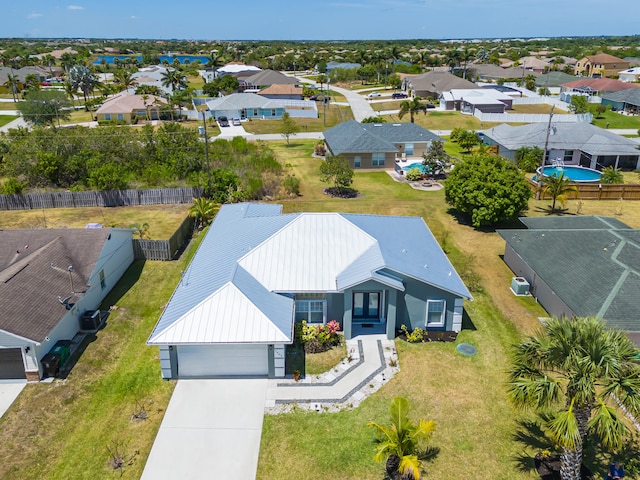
211,429
9,391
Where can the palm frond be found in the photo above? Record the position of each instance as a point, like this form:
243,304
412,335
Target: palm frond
410,467
564,430
606,424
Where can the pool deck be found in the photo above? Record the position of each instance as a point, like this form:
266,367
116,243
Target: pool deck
426,185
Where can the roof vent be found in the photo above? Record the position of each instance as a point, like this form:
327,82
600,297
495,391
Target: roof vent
397,124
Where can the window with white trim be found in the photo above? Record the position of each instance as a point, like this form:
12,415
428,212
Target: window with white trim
377,159
357,162
436,311
313,311
408,148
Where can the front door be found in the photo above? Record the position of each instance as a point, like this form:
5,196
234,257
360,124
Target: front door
366,306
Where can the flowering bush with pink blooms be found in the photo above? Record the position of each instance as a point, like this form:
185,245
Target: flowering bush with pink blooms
318,338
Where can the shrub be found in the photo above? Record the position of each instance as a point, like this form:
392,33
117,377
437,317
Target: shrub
319,149
12,186
414,174
317,338
416,336
292,186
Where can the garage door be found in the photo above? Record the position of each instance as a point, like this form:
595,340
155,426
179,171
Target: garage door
222,360
11,365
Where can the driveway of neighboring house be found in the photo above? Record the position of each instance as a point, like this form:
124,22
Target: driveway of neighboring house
9,391
359,106
211,429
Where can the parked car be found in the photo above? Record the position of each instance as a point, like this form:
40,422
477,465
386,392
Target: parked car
236,122
399,95
430,105
373,95
223,121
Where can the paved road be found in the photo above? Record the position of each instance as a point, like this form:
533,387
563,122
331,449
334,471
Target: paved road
211,430
17,123
359,105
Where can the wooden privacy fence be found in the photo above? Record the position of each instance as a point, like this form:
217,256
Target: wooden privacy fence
108,198
164,249
600,191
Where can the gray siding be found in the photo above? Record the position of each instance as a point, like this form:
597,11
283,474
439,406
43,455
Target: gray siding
412,305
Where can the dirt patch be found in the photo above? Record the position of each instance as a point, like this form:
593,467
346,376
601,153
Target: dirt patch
336,192
432,336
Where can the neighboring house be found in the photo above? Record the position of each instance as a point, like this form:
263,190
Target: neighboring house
57,54
42,73
266,78
595,86
127,108
232,68
246,105
579,266
257,271
553,80
572,143
537,65
432,84
626,101
282,92
486,100
630,75
377,145
48,279
600,65
152,76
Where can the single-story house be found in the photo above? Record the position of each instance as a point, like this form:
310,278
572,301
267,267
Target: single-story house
600,65
128,108
152,76
535,64
627,101
432,84
572,143
488,72
486,100
245,105
48,279
579,266
595,86
265,78
377,145
552,81
630,75
257,271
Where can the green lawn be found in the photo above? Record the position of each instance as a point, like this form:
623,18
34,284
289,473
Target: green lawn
5,119
317,363
616,120
163,220
443,120
335,114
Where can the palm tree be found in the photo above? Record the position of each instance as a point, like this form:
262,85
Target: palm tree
70,91
125,79
83,78
575,369
398,444
465,56
213,61
203,210
173,78
612,175
12,84
452,59
558,187
411,107
141,230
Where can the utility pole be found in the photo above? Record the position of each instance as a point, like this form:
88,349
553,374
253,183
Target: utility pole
544,154
206,150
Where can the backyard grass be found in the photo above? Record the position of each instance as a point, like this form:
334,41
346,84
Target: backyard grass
335,114
542,108
163,220
317,363
78,116
8,106
443,120
5,119
616,120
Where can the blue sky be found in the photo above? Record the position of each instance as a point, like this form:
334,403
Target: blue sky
318,19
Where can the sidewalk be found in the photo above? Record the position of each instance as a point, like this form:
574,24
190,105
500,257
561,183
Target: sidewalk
345,386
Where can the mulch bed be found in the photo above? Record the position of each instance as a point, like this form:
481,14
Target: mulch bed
342,192
432,336
548,468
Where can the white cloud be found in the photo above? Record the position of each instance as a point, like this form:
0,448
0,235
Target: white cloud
75,7
133,17
34,15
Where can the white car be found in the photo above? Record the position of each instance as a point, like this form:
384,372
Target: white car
236,122
373,95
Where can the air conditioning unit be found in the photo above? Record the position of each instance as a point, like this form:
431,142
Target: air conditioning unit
90,320
520,286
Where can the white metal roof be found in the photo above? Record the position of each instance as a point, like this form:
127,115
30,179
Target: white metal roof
307,254
208,322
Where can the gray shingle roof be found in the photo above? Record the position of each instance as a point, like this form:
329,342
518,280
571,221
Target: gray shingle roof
30,286
436,81
564,136
591,263
631,96
270,77
354,137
